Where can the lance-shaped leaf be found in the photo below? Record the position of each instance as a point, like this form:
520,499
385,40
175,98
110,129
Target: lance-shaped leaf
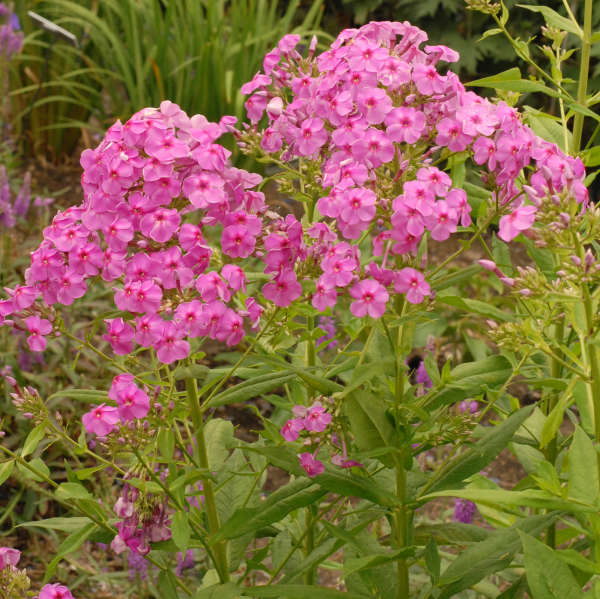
478,455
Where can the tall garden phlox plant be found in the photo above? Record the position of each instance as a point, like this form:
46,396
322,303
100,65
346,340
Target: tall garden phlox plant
366,136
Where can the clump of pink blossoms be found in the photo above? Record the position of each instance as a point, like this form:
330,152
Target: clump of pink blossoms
151,190
369,119
310,424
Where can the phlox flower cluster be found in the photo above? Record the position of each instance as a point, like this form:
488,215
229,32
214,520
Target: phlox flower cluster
311,423
17,582
148,176
369,116
132,402
139,526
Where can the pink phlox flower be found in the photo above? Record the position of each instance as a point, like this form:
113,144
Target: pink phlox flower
9,557
374,103
204,188
405,124
211,317
120,336
442,223
141,267
118,234
146,296
311,465
439,52
231,328
70,287
38,329
324,296
161,224
23,296
211,286
171,346
162,191
190,236
148,329
101,420
457,199
412,283
310,137
55,591
171,270
365,54
374,147
237,241
484,150
253,311
358,207
451,134
284,288
291,429
370,298
427,80
86,259
518,220
317,419
189,316
164,146
438,180
113,264
235,277
255,106
133,402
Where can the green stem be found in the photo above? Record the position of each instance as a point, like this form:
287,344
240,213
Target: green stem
551,450
220,547
400,516
590,350
584,70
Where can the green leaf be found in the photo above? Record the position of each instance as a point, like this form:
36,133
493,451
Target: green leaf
298,493
219,437
166,443
470,379
583,476
219,591
33,438
66,491
511,80
252,388
358,564
554,420
85,396
479,455
591,156
432,560
450,533
39,466
167,583
368,419
479,560
180,529
553,19
472,306
530,498
299,591
6,469
547,575
70,525
69,545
